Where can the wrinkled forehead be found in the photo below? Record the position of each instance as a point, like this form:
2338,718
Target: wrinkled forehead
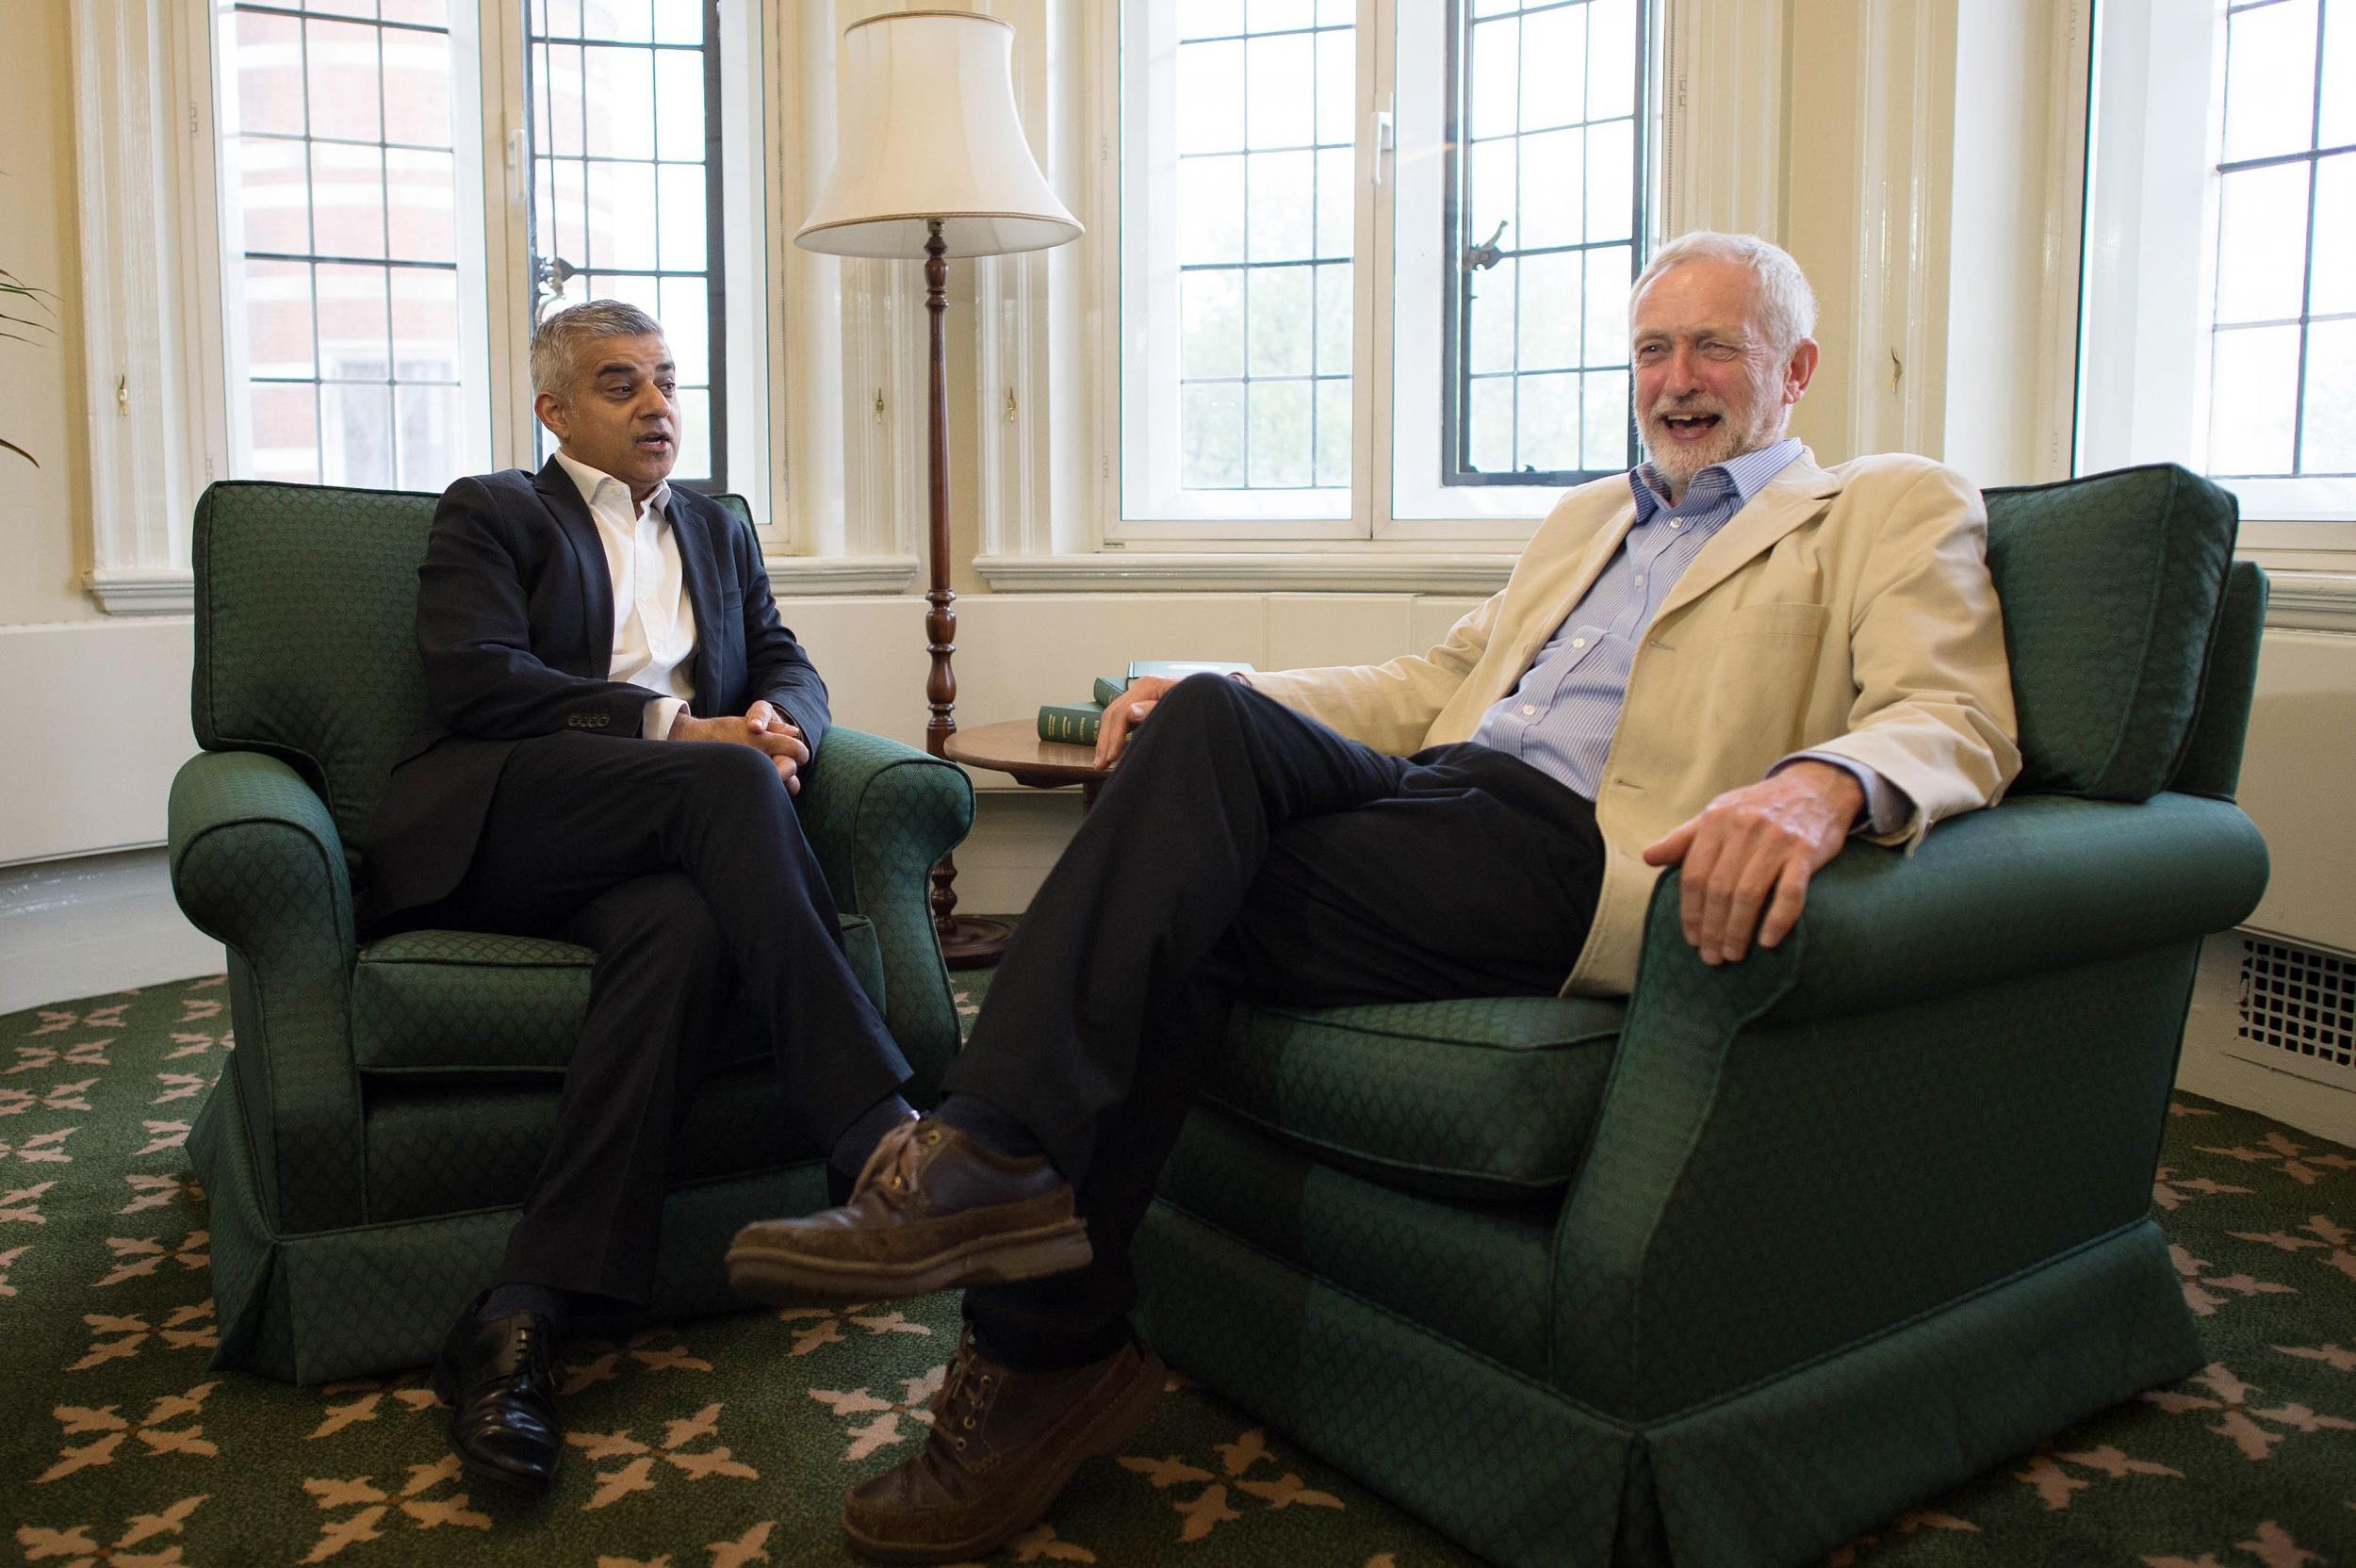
1696,297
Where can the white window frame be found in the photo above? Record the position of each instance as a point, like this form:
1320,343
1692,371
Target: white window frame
2151,252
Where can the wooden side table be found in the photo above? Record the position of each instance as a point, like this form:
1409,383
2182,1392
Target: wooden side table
1015,749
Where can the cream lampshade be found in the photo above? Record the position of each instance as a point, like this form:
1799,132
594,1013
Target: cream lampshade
929,134
933,164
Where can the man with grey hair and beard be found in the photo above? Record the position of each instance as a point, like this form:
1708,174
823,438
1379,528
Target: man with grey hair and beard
1730,659
618,723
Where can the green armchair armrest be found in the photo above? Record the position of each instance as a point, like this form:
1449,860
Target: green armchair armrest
881,815
1975,1020
257,863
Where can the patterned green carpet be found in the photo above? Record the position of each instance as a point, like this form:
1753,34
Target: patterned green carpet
727,1443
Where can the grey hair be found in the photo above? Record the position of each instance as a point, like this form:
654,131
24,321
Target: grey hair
556,342
1787,305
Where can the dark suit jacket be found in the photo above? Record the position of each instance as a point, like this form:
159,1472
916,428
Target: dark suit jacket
515,626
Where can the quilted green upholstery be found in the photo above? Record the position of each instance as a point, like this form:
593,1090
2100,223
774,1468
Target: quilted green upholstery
1485,1099
2110,587
1719,1280
470,1000
387,1107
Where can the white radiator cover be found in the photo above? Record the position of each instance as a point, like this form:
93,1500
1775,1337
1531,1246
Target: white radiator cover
2273,1030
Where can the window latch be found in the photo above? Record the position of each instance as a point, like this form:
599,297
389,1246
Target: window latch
1481,258
1383,136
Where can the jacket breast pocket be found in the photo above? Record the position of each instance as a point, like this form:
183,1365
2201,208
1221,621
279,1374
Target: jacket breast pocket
1761,682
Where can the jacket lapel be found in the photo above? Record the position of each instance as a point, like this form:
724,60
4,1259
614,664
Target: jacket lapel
1791,499
1558,592
562,496
700,566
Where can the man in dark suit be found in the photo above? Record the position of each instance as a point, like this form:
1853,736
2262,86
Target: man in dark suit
619,724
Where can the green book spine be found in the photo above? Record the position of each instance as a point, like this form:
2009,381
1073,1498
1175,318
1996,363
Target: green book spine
1073,722
1108,689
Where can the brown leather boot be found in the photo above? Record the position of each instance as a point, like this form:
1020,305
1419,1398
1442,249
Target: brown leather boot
933,1209
1003,1445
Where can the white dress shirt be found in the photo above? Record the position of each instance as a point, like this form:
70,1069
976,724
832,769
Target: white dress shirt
654,623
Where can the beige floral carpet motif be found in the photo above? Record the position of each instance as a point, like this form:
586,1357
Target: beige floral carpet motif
726,1442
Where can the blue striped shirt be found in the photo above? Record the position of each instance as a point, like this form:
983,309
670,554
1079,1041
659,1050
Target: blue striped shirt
1560,719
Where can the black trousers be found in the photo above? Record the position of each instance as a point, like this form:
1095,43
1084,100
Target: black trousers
1243,850
684,866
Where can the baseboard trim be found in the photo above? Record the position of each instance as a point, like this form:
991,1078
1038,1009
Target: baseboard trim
92,924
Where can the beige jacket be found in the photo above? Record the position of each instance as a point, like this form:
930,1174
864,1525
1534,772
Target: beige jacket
1846,611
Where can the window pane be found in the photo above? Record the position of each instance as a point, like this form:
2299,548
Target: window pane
1334,313
1210,18
1337,85
1609,273
422,192
686,193
424,323
621,215
1492,334
1496,70
1210,323
2270,80
429,13
354,318
687,327
285,433
426,433
1280,84
1547,423
1604,421
1283,207
1493,193
1490,425
678,106
269,76
619,85
347,199
1336,192
678,21
2328,440
557,106
1209,99
1278,335
1611,180
2339,77
357,433
1210,210
1554,68
278,320
1552,178
1611,59
695,434
630,20
2262,244
2252,393
1332,452
270,185
1269,16
1549,317
2332,282
416,87
1281,451
340,57
1210,437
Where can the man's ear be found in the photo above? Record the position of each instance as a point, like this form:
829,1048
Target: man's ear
554,413
1800,369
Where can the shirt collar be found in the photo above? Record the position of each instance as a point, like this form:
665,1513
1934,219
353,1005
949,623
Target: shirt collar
1743,477
590,480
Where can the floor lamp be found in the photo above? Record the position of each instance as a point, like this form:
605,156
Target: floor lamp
933,164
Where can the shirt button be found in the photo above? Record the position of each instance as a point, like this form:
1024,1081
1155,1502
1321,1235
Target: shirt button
1640,582
1673,523
1578,642
1528,708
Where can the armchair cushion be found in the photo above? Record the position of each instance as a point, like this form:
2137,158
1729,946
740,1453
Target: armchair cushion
1487,1099
433,1002
2110,586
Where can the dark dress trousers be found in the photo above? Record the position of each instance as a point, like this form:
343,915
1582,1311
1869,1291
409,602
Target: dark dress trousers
529,804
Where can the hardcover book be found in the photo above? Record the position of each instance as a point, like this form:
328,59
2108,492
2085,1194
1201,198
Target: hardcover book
1073,722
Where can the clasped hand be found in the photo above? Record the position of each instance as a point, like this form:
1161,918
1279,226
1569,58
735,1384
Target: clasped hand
1755,849
764,728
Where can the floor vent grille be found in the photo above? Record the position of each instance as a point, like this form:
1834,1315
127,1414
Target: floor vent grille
2299,1005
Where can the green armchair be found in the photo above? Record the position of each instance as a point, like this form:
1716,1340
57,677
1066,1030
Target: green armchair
365,1149
1734,1270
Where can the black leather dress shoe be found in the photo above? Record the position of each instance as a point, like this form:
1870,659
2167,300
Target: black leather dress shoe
498,1377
